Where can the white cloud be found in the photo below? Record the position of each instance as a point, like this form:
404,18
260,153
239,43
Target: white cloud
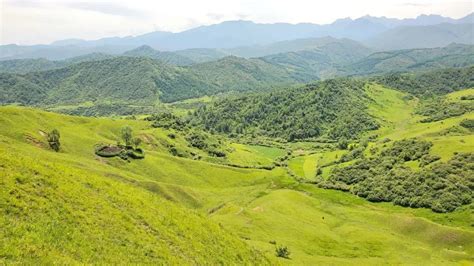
43,21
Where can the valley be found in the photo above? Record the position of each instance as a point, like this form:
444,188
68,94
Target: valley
207,138
255,207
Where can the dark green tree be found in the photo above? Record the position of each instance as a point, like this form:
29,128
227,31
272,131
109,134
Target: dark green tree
127,135
53,140
342,143
282,252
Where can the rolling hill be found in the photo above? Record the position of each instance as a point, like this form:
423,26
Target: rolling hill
453,55
139,81
167,208
334,108
73,208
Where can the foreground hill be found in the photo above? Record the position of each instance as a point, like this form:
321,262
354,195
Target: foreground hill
75,207
72,207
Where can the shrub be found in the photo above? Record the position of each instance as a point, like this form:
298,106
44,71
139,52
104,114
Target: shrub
53,140
468,123
342,144
282,252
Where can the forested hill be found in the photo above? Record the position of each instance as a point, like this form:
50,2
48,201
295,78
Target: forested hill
42,64
138,80
322,57
432,83
167,57
454,55
332,108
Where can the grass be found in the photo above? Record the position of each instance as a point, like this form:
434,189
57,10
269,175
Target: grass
396,114
306,166
254,155
330,227
73,207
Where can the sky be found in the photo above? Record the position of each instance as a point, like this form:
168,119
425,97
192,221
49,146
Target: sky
44,21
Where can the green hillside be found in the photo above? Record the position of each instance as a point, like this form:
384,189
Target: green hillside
170,209
137,81
432,83
332,109
454,55
73,207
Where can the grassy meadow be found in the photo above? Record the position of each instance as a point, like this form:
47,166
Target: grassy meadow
75,207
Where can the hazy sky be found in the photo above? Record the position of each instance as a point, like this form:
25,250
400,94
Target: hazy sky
44,21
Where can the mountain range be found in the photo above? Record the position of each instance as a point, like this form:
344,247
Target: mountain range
245,38
230,34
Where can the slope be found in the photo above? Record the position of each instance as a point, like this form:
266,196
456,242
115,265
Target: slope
111,211
138,81
329,109
70,207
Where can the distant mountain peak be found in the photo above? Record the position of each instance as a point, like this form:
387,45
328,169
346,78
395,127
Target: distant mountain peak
144,48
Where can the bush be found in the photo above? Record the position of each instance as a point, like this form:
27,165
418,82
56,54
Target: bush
342,144
53,140
282,252
467,123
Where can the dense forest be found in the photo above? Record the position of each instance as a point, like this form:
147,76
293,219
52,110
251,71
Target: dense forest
333,108
429,84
